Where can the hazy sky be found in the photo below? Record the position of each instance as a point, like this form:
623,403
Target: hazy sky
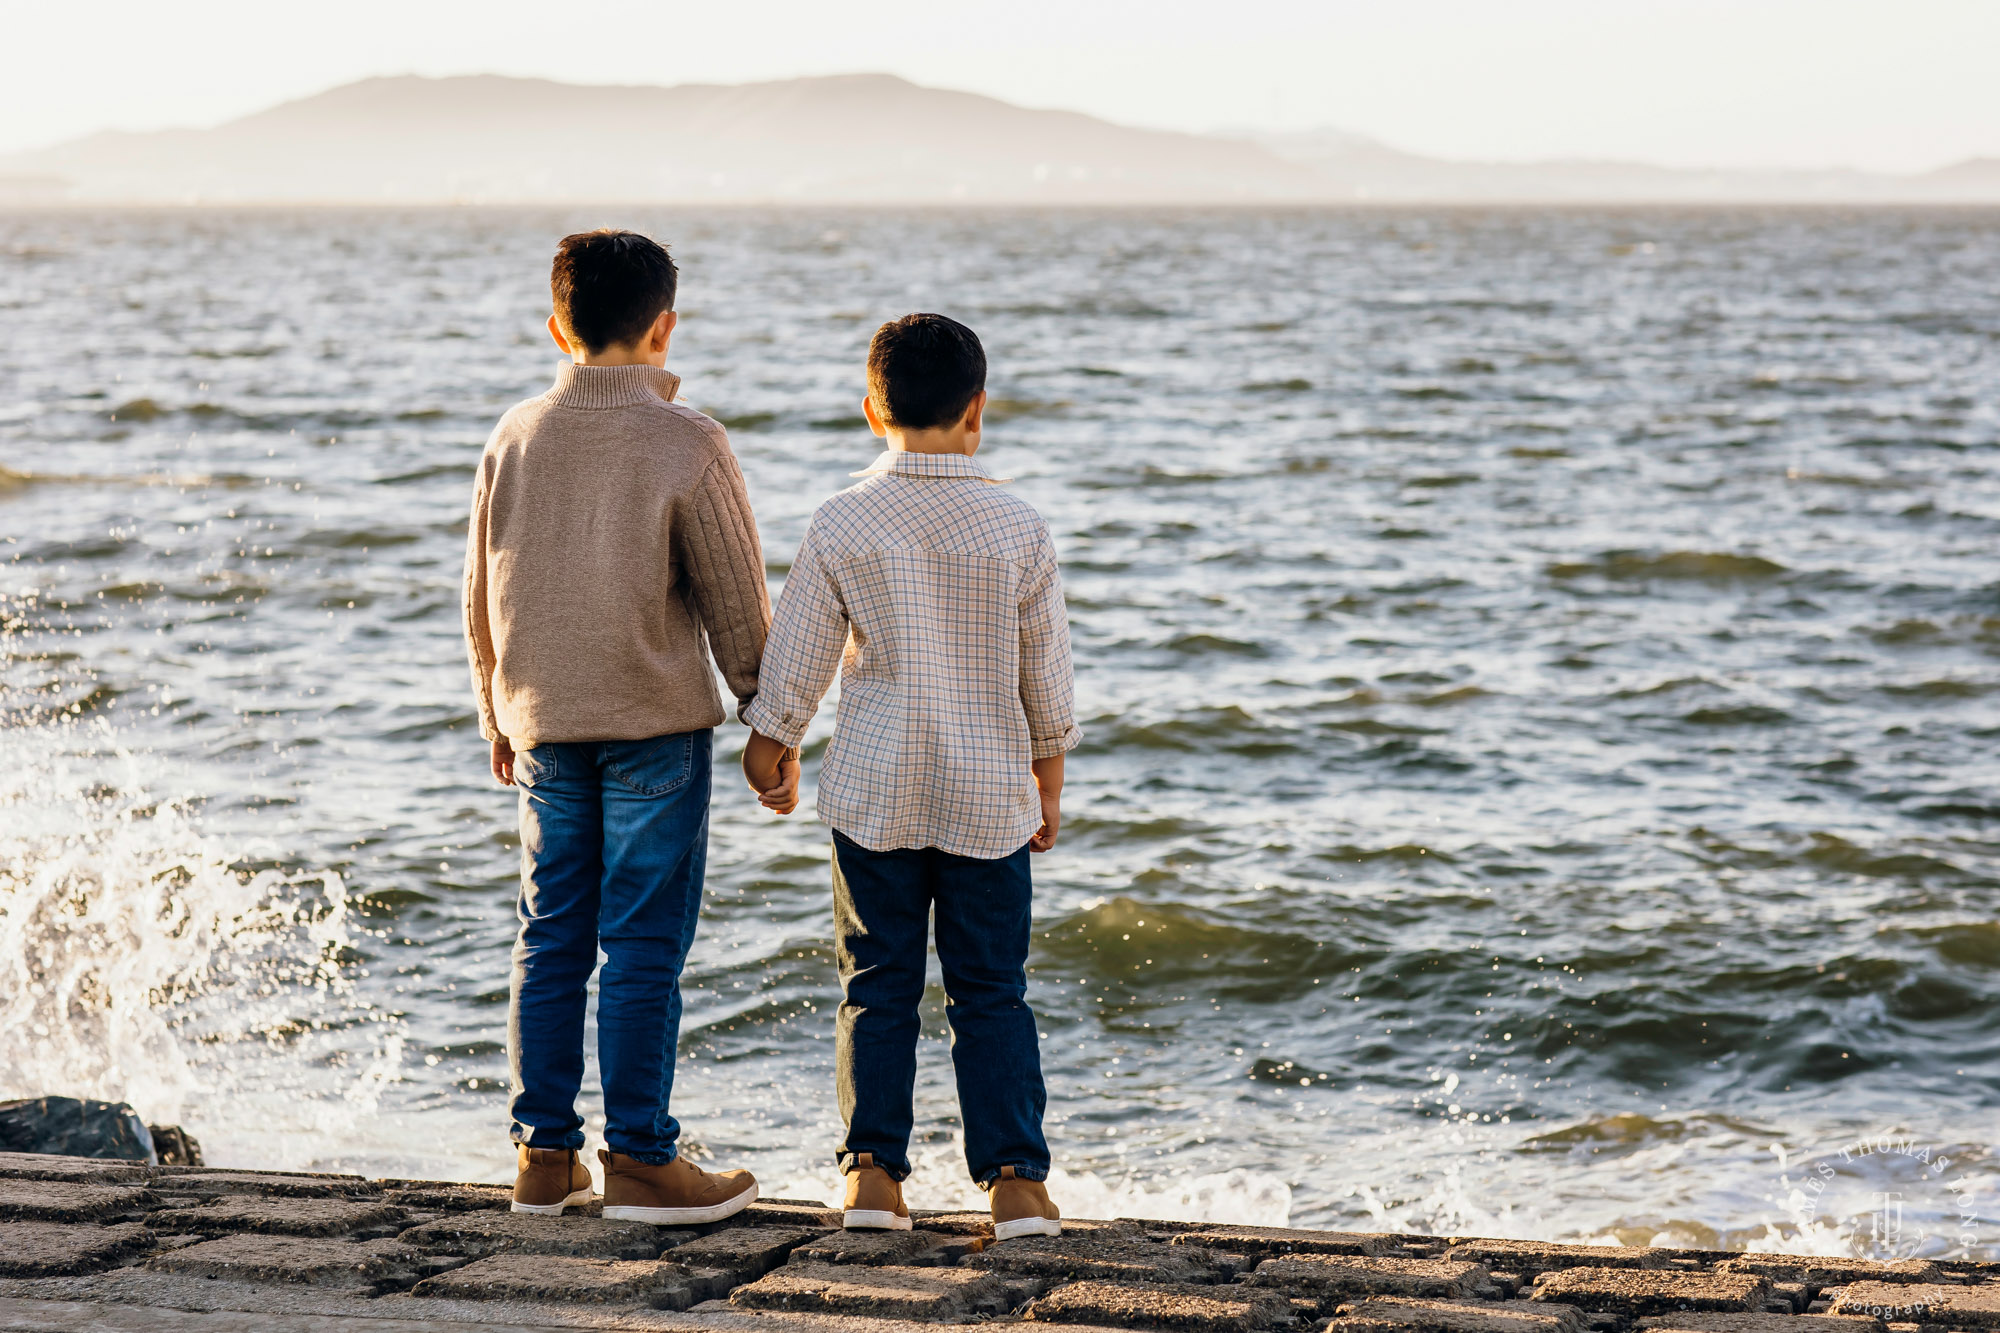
1885,84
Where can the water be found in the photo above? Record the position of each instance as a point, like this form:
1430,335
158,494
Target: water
1539,671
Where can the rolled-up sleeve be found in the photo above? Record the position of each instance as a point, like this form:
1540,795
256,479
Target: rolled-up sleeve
1048,687
808,638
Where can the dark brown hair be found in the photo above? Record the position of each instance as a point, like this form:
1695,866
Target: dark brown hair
923,371
608,286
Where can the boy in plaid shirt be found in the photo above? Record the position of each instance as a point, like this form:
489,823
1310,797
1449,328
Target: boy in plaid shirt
936,595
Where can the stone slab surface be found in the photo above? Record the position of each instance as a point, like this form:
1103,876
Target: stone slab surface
276,1216
1329,1279
746,1253
911,1249
1816,1273
783,1213
1948,1306
1403,1315
1264,1242
1761,1323
1180,1306
1535,1256
314,1261
50,1249
884,1291
46,1166
562,1278
476,1235
1631,1291
281,1251
18,1316
451,1198
722,1317
956,1224
61,1201
200,1180
1078,1256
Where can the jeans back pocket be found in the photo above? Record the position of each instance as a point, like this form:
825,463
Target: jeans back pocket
652,767
534,767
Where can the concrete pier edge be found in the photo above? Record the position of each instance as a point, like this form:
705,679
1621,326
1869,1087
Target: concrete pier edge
95,1244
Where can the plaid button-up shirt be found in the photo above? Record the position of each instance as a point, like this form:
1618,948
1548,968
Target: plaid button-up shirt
936,595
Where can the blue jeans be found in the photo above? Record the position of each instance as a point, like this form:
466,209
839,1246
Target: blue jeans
882,905
614,840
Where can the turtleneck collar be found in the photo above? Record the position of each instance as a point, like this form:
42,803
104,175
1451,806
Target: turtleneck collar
611,386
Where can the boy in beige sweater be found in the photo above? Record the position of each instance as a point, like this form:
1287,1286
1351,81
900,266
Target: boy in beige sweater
611,535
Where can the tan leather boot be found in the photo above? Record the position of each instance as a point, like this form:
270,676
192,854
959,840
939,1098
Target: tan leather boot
677,1194
1021,1207
874,1198
548,1180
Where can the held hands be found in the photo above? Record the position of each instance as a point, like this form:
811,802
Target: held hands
772,770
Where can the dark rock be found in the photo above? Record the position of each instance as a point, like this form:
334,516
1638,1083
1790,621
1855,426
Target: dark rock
884,1292
60,1201
275,1217
476,1235
50,1249
561,1277
1628,1292
74,1127
910,1249
174,1146
294,1260
1331,1278
1190,1309
1393,1315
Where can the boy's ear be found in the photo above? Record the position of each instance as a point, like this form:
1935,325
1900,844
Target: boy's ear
662,331
875,422
974,410
556,332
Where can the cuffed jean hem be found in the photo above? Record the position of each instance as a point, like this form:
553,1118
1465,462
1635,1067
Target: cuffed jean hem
1025,1172
649,1158
897,1170
539,1138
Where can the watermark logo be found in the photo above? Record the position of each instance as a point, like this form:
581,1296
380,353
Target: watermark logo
1881,1198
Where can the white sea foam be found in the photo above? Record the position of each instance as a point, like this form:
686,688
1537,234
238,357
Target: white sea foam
938,1180
144,960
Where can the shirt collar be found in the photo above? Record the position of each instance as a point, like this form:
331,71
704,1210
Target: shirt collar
612,386
903,463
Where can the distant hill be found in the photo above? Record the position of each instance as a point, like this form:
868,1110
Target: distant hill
861,138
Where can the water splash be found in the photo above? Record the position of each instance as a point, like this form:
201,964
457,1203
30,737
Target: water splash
144,960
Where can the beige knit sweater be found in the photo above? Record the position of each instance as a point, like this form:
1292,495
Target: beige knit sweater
610,529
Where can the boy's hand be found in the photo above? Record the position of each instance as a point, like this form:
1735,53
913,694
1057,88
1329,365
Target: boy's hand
1049,783
1045,836
784,796
772,770
503,762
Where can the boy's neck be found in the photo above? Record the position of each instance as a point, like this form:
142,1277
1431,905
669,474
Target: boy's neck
620,354
947,440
